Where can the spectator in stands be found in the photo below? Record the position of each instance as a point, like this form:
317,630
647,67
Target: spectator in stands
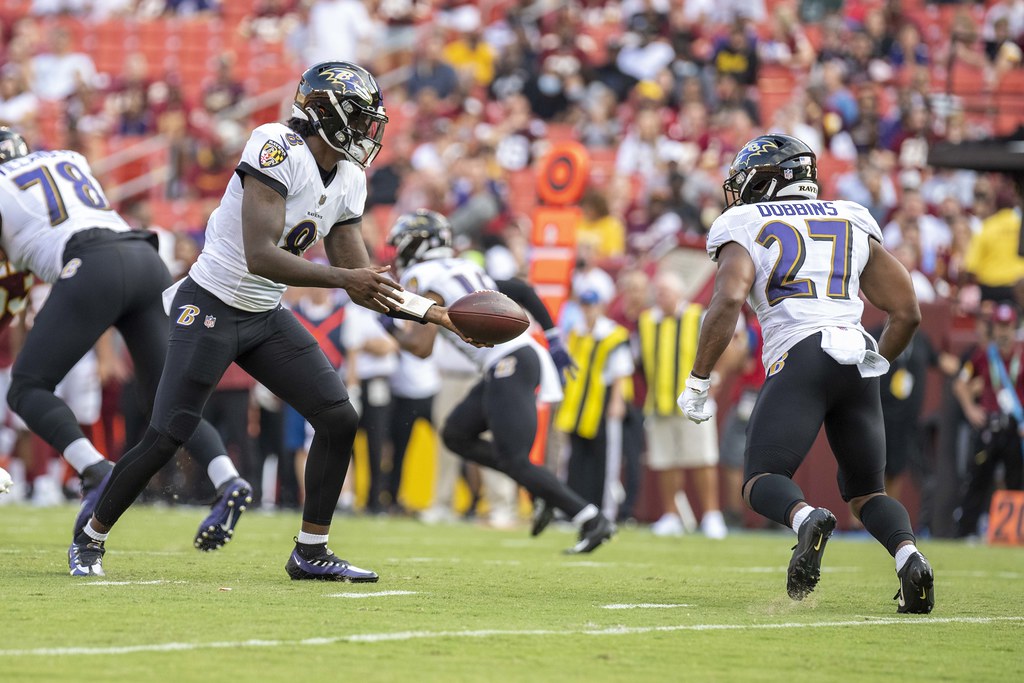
191,7
724,12
18,105
869,185
472,57
880,32
730,95
646,149
223,91
992,259
1010,10
60,73
598,226
131,95
644,54
599,128
787,45
429,71
1001,49
610,73
912,223
737,56
908,48
325,39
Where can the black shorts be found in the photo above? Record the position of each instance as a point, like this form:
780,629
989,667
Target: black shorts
812,389
207,335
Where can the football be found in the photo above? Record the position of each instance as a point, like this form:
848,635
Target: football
489,317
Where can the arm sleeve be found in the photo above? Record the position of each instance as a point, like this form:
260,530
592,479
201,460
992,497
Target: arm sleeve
526,296
268,159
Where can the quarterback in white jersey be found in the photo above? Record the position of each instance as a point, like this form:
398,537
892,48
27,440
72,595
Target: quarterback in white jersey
802,262
295,184
57,223
515,375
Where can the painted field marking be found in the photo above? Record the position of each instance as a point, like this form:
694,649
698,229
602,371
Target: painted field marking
645,605
378,594
157,582
489,633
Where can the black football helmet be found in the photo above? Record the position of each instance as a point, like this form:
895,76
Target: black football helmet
12,145
343,103
420,235
770,167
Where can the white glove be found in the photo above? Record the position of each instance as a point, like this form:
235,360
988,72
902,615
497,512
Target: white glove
692,401
5,481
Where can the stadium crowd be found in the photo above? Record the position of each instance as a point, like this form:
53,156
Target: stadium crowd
662,94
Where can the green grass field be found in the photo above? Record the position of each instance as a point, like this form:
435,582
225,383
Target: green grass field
464,603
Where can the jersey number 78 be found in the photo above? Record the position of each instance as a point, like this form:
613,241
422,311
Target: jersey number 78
88,193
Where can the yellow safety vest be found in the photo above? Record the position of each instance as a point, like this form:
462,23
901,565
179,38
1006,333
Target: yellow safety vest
583,406
668,348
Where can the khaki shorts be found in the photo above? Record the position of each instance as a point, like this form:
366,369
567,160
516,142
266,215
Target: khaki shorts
676,442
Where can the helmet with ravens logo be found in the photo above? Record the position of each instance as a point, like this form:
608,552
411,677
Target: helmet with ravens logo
770,167
343,103
420,235
12,145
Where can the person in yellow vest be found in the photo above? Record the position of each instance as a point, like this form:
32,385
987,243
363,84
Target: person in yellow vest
668,342
596,394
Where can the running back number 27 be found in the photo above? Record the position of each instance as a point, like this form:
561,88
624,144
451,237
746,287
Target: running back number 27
784,281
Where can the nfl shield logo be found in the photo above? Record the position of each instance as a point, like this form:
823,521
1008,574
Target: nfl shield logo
787,173
323,198
210,321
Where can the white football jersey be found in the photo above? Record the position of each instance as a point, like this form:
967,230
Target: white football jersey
808,256
454,278
277,156
45,198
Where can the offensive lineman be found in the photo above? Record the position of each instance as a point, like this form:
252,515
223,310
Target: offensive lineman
803,262
296,183
504,401
57,223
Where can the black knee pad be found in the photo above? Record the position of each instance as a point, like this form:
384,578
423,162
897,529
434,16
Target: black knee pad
20,386
340,418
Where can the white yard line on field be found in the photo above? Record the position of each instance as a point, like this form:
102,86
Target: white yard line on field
489,633
645,605
157,582
378,594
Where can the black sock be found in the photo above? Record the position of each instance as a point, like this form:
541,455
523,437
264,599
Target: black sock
887,520
773,496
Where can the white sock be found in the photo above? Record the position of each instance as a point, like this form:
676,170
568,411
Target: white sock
220,470
93,534
585,515
903,554
80,454
800,516
312,539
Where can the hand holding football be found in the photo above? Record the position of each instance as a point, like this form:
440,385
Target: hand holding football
489,317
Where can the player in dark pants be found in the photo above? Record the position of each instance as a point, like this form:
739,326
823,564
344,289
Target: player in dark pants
58,224
822,367
295,184
90,297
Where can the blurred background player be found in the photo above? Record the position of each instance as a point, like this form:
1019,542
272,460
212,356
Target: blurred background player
822,366
58,224
595,397
504,401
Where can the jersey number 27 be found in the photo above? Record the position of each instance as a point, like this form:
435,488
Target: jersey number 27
784,281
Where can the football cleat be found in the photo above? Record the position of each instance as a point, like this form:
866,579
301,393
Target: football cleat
593,533
326,566
805,567
917,586
94,478
85,557
543,513
219,526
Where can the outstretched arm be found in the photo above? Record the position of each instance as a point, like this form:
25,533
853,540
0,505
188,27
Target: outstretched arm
525,295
